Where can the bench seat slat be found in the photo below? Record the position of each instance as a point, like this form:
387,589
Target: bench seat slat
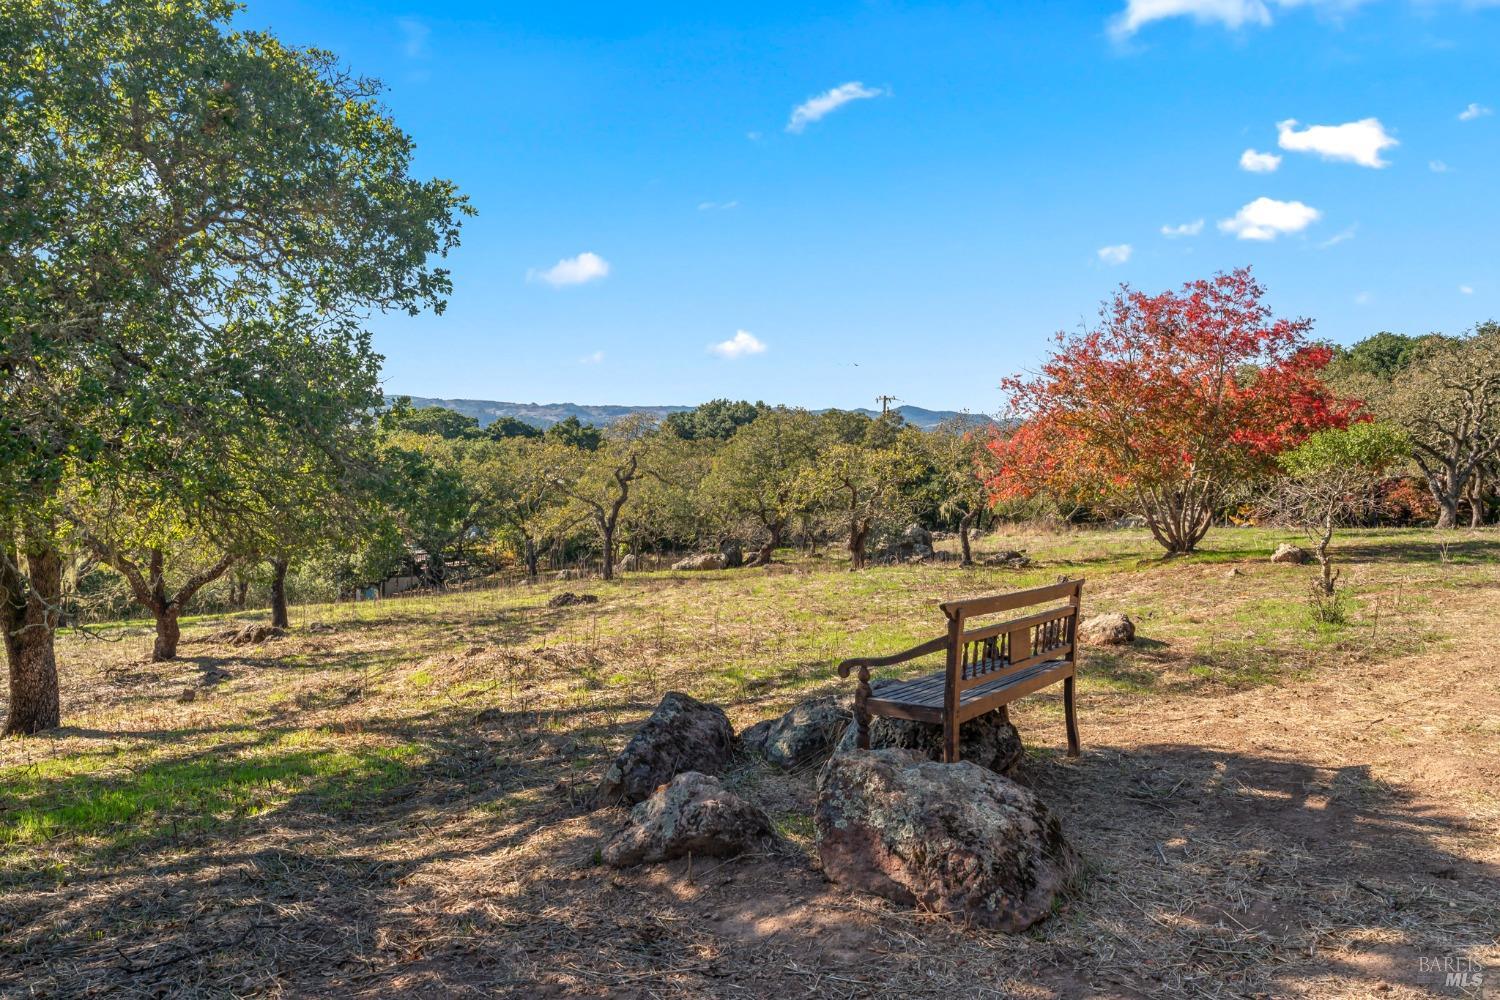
926,693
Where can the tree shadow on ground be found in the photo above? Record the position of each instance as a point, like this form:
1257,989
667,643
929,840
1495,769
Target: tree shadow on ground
1249,872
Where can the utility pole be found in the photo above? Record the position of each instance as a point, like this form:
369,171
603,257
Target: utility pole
885,403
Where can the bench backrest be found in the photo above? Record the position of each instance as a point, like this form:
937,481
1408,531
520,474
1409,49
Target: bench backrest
977,655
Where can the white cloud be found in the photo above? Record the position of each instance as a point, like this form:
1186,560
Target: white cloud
1353,142
815,108
413,37
741,344
597,358
1437,166
1267,218
1362,299
572,271
1466,289
1117,254
1339,237
1259,163
1232,14
1186,229
717,206
1474,111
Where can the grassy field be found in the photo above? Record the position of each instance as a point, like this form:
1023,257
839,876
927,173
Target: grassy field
394,796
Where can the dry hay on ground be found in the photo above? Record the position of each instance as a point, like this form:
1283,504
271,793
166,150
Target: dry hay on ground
398,802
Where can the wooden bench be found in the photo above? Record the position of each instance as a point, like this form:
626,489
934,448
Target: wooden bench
988,666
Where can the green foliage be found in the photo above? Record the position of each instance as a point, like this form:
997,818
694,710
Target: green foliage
438,421
511,427
573,433
1366,448
1381,355
718,419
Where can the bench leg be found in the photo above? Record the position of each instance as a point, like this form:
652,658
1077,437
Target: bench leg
950,741
1070,710
861,711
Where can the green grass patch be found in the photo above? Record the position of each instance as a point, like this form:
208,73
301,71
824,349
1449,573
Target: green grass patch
93,797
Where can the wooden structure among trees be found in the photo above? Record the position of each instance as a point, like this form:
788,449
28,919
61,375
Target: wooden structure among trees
988,666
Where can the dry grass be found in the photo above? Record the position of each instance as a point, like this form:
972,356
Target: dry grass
393,798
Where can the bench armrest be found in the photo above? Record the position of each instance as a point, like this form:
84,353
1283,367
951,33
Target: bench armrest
930,646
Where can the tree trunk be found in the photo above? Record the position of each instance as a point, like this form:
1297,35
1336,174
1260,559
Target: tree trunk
279,617
1326,564
168,633
607,530
963,538
29,614
531,558
1447,510
858,533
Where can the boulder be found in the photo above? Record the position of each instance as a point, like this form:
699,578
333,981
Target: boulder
805,733
256,633
683,734
704,560
692,814
732,554
567,599
1009,558
915,535
1107,630
1286,552
986,740
954,839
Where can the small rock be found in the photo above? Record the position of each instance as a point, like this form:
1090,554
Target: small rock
704,560
954,839
693,814
805,733
188,694
567,599
683,734
1009,558
1233,572
1107,630
1286,552
987,740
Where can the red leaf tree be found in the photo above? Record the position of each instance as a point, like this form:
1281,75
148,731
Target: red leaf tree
1170,399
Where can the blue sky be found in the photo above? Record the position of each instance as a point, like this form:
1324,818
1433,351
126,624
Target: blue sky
963,184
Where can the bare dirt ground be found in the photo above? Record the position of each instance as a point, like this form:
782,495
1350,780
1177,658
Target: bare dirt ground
397,804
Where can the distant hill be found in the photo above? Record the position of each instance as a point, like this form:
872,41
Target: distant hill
486,411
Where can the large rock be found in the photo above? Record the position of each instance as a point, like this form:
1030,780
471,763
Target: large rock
567,599
683,734
705,560
916,535
693,814
987,740
954,839
805,733
1107,630
256,633
1286,552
